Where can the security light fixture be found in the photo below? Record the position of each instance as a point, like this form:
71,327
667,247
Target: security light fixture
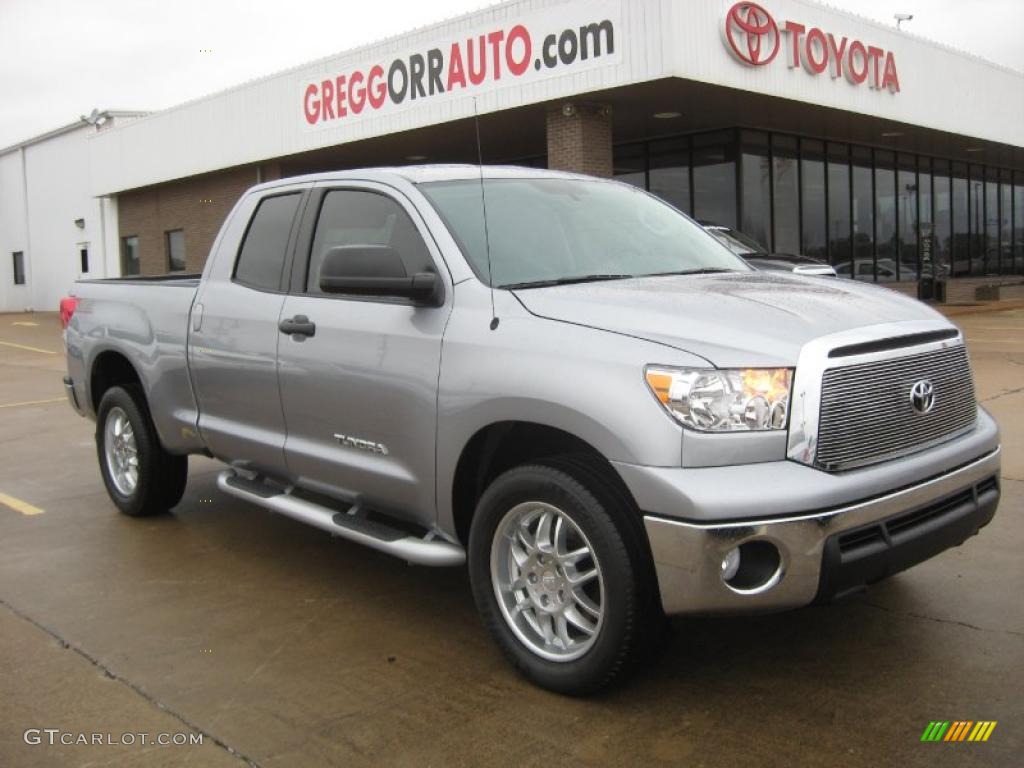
568,110
892,134
667,115
95,118
415,158
901,17
80,223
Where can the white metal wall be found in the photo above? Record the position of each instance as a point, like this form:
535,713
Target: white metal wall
58,192
940,88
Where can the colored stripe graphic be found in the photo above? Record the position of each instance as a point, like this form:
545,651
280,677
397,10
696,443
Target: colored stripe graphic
982,730
958,730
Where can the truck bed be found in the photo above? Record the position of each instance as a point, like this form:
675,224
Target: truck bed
185,279
144,320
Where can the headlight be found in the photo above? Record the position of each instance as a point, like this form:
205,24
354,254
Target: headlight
731,400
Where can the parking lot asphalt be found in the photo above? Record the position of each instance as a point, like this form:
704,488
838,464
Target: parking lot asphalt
284,647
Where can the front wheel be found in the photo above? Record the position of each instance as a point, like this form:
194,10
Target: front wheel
141,477
558,575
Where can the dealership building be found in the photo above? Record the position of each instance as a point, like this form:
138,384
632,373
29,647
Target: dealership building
815,131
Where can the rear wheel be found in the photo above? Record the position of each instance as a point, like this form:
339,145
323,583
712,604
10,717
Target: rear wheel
558,576
141,477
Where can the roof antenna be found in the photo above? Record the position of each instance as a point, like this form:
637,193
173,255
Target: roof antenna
483,202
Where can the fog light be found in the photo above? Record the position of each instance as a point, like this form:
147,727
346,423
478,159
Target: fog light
752,567
731,564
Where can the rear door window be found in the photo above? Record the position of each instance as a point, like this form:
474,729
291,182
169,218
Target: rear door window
261,257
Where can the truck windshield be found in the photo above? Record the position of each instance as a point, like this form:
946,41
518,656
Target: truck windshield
547,231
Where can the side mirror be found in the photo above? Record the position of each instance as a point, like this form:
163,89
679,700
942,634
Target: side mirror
376,270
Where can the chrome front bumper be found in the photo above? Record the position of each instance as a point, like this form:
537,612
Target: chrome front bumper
688,556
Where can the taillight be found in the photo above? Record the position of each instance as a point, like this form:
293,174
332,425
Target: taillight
68,305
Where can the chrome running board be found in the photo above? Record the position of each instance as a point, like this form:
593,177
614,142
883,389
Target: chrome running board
349,525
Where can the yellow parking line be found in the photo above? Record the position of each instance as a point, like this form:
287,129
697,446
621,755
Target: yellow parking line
30,349
19,506
33,402
25,324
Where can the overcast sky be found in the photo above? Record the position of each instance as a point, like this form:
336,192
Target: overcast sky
61,58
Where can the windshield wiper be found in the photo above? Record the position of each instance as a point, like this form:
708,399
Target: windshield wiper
565,281
702,271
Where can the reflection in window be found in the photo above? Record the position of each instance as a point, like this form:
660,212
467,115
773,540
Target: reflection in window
130,256
906,211
1005,224
1018,224
874,214
755,187
991,260
670,172
885,211
786,190
175,246
925,244
714,178
976,219
942,240
839,209
629,164
812,191
961,220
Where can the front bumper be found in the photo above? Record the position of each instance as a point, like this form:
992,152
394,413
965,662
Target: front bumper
826,553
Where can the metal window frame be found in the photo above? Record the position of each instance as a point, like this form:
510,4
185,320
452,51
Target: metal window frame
167,249
977,236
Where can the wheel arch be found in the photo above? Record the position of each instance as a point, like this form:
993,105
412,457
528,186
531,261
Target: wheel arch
501,445
110,368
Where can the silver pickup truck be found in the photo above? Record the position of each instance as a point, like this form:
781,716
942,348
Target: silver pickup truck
561,381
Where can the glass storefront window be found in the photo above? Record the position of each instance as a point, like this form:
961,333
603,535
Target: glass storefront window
840,254
991,259
1005,224
874,214
942,228
755,187
1018,223
961,222
909,192
863,220
786,195
976,218
813,226
670,172
887,255
927,251
629,164
714,178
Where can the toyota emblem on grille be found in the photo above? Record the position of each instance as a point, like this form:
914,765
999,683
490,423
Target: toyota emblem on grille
922,396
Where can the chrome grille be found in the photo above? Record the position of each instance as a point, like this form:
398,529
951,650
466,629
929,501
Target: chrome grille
866,413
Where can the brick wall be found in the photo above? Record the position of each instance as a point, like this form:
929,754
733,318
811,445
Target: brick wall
196,205
580,141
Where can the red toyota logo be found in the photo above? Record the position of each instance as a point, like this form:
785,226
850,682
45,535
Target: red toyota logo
752,33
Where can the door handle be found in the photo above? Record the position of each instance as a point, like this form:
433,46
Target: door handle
300,325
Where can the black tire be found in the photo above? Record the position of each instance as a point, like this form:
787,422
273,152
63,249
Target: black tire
612,525
161,475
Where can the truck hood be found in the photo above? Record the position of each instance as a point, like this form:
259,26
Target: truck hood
733,319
